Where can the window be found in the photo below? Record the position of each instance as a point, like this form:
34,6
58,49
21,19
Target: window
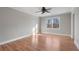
53,22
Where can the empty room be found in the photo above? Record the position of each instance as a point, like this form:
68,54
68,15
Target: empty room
39,29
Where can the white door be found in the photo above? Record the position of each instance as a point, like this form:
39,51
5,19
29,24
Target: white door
76,28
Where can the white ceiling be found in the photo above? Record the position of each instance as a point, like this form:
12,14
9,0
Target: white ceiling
53,11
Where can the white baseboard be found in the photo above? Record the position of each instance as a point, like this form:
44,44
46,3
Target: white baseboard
57,34
11,40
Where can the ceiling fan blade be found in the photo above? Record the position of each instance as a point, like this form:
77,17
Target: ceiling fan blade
44,10
49,8
47,11
37,11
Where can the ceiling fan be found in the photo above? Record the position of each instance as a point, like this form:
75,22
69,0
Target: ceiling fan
44,10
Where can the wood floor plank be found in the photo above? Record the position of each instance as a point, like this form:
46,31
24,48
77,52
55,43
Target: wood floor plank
41,42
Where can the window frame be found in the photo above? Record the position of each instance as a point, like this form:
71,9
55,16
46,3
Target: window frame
51,18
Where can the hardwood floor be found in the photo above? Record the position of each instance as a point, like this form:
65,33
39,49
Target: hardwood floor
41,42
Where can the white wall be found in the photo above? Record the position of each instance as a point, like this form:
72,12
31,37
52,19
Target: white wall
65,25
76,24
14,24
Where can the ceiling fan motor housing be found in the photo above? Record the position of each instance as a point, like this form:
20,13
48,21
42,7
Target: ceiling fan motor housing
44,10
